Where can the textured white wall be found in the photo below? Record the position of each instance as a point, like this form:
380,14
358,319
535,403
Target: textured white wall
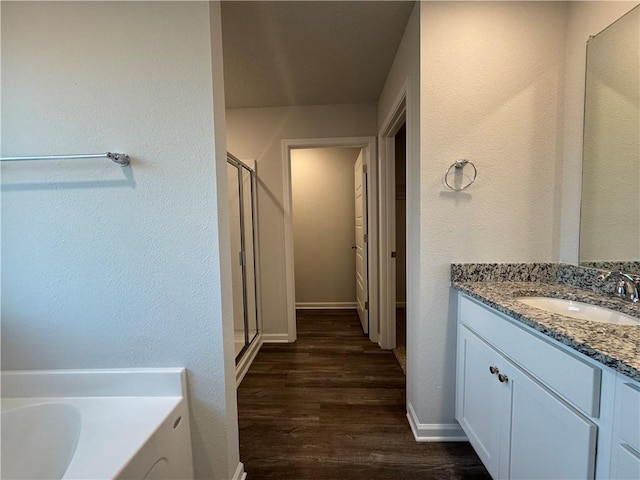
257,133
492,92
111,267
323,214
585,18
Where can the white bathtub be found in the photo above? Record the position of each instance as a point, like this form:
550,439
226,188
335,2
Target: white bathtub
95,424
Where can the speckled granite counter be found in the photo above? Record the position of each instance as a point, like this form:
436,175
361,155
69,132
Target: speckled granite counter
617,346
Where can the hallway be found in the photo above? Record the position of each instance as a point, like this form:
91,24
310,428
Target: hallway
332,406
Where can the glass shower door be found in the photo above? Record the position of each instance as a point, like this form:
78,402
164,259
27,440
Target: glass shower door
242,225
235,229
249,260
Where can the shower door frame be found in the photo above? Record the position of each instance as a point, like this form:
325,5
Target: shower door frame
240,165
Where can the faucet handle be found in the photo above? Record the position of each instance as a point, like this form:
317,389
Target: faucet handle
615,275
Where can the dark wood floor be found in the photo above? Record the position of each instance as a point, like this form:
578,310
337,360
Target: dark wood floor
332,406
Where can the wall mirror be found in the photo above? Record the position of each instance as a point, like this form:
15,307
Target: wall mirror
610,210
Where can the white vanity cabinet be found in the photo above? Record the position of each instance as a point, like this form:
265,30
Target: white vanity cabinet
535,409
519,428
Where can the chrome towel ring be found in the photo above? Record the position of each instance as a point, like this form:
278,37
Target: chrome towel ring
458,168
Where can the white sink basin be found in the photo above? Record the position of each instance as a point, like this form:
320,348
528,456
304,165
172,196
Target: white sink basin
582,311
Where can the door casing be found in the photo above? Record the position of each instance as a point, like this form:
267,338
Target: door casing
368,144
399,115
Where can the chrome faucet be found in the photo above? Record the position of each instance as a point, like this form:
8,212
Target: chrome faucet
626,288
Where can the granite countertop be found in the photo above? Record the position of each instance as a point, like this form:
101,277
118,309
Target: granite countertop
616,346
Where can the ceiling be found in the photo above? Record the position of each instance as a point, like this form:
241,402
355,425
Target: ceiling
281,53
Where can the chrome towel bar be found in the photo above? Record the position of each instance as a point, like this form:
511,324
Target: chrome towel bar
119,158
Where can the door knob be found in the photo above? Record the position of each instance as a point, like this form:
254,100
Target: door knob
493,370
503,378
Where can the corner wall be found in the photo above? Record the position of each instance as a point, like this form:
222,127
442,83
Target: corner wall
405,70
491,91
104,266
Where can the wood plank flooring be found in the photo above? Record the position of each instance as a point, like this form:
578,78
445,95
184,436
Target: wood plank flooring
332,406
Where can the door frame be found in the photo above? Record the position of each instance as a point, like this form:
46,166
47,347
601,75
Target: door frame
399,114
368,144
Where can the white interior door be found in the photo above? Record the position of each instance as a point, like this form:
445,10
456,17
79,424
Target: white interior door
362,292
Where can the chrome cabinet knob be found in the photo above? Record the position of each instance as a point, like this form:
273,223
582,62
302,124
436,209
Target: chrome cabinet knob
503,378
493,370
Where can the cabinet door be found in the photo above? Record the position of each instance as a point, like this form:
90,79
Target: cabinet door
549,439
479,397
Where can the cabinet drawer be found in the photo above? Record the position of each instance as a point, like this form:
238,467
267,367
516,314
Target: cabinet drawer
630,415
569,376
628,464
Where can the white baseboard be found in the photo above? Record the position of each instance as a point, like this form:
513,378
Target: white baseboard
325,305
240,473
275,338
247,359
434,432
